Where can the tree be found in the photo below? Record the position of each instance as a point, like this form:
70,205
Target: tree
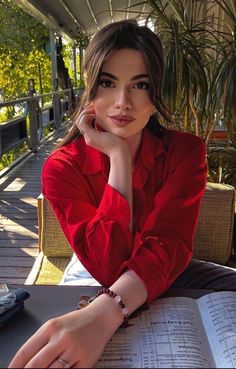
19,31
23,43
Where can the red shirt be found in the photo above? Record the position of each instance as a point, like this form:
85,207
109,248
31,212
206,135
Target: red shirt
169,180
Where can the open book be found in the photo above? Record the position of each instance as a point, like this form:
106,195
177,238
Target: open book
178,332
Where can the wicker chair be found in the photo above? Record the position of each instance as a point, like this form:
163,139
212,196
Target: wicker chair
213,237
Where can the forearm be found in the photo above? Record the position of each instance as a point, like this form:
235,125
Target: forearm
120,177
132,290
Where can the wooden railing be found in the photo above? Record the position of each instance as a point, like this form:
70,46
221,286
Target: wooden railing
28,128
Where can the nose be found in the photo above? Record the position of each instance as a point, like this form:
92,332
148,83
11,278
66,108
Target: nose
122,99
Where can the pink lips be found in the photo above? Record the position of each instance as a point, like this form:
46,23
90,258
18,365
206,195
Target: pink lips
121,119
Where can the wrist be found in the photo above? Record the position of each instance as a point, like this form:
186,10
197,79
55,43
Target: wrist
118,300
108,312
121,152
121,162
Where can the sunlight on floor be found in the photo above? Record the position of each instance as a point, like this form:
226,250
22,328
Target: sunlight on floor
16,185
30,251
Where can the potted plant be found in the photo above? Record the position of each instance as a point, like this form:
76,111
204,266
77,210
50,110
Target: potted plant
200,79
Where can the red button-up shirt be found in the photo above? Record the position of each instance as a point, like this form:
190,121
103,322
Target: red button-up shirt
169,180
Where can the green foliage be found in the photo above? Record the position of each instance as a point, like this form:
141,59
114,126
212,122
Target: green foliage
17,68
68,58
22,57
19,31
222,164
22,52
8,158
14,154
200,80
226,73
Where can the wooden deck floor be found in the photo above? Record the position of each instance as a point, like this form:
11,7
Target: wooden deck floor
18,215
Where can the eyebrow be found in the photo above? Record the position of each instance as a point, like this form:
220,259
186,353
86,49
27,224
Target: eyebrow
134,78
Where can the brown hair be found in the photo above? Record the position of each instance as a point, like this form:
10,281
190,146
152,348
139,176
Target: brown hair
116,36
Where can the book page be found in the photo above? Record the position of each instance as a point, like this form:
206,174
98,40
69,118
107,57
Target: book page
219,317
167,335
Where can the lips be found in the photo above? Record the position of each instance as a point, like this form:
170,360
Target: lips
121,120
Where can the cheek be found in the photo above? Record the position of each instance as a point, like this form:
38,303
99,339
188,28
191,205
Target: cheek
146,112
100,109
143,104
100,104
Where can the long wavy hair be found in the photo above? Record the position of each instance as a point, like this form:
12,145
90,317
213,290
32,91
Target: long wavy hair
115,36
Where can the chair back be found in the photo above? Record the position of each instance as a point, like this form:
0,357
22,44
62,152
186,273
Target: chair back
213,236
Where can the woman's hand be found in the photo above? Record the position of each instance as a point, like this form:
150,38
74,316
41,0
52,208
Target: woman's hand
116,148
103,141
77,338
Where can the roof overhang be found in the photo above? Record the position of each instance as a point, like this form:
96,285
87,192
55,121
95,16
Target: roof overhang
73,17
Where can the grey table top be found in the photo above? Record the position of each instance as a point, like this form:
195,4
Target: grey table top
47,302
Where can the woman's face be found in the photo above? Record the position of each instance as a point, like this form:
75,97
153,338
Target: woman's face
122,104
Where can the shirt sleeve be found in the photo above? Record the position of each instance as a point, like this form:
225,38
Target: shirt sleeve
99,236
164,247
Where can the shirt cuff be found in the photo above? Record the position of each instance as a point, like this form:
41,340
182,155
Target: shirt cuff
153,267
114,207
154,287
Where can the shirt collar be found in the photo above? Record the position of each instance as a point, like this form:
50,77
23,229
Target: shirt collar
93,161
150,150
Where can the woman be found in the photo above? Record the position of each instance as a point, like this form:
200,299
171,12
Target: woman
126,191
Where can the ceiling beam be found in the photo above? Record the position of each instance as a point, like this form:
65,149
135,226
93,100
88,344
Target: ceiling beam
71,14
127,11
110,10
46,19
92,13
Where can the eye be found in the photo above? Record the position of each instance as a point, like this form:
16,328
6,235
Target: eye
142,85
106,83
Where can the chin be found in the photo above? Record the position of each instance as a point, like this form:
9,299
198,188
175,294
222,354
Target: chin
121,132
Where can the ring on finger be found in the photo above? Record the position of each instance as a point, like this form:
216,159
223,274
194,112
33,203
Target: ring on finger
64,362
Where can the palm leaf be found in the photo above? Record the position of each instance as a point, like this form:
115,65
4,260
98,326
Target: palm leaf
229,7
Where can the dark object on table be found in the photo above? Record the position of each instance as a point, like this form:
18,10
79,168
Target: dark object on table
13,299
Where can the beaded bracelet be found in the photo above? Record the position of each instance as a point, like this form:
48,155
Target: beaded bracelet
119,301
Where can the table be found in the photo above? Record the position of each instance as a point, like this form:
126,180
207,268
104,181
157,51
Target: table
47,302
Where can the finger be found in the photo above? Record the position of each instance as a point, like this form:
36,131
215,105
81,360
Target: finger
67,359
88,104
60,363
85,113
46,356
88,108
85,117
84,124
28,350
77,365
